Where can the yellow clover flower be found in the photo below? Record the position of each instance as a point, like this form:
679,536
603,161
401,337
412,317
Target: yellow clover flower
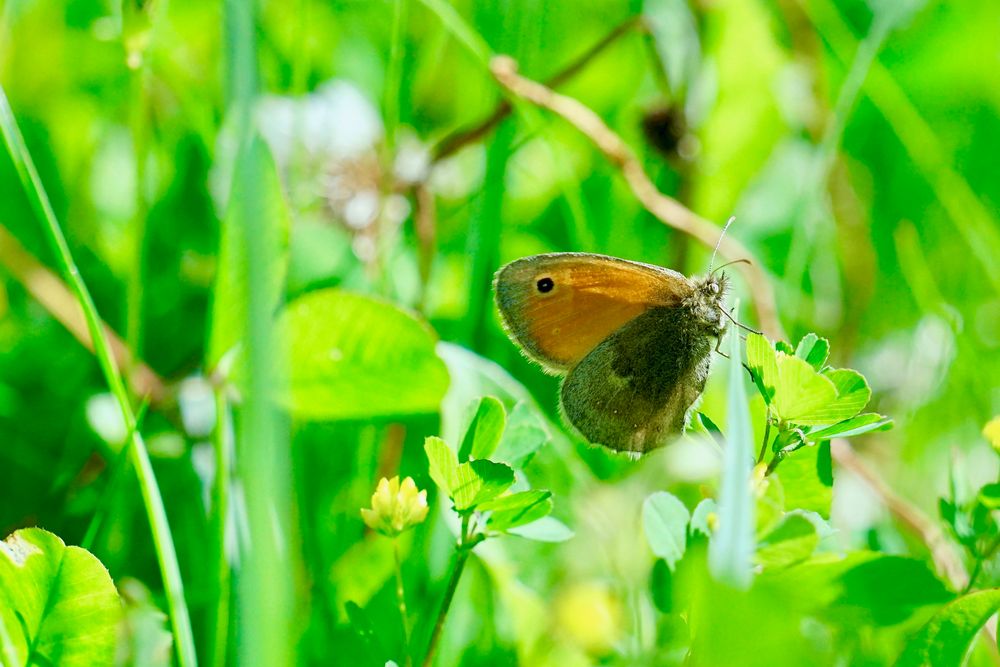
395,507
992,432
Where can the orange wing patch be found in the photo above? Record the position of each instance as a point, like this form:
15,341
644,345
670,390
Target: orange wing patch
590,297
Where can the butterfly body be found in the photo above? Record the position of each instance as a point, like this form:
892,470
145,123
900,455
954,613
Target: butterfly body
634,340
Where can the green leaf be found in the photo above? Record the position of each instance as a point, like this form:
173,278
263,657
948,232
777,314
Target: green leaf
442,463
546,529
517,509
801,392
58,604
853,393
665,520
791,542
699,518
944,641
354,357
782,346
869,421
989,496
813,350
674,32
229,294
661,586
525,434
807,479
731,552
479,481
761,360
484,431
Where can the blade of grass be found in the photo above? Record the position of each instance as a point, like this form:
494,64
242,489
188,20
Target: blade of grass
153,501
973,220
222,441
265,582
731,551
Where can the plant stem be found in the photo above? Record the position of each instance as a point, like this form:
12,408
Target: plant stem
980,559
778,458
401,596
152,500
767,435
221,439
462,551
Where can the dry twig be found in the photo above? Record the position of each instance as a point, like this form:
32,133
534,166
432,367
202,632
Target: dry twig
55,297
668,210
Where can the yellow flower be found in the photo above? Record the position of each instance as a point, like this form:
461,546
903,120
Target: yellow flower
992,432
590,616
395,507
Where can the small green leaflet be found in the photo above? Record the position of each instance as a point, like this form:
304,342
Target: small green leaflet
665,520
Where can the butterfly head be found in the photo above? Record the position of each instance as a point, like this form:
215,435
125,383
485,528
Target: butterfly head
705,302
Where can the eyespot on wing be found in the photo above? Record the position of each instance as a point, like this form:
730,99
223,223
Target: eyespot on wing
558,307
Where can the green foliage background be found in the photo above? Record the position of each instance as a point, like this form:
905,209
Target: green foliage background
855,142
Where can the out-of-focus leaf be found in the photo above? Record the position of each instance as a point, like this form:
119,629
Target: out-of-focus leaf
807,479
761,360
517,509
813,350
524,435
782,346
479,481
485,429
546,529
661,587
770,507
792,541
731,551
229,296
989,496
700,517
147,638
362,570
869,421
442,462
665,520
58,604
946,638
992,433
675,35
354,357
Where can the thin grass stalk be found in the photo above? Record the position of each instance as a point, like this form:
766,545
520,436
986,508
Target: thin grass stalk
152,500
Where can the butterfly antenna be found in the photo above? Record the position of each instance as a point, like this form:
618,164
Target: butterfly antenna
739,324
721,236
735,261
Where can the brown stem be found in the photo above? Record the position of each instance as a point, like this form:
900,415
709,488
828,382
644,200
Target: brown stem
55,297
668,210
456,140
942,552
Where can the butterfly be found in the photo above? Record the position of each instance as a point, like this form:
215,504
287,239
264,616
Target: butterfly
633,340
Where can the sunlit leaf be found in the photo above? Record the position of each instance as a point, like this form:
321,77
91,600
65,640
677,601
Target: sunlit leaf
761,360
801,392
479,481
58,604
856,425
443,463
945,639
665,520
485,429
813,350
992,433
517,509
355,357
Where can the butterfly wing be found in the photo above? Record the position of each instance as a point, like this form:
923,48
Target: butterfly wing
559,307
633,391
